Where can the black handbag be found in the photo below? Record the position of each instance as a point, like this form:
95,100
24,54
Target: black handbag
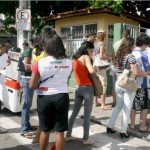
20,66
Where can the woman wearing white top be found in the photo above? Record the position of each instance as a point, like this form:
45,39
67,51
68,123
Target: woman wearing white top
99,49
50,76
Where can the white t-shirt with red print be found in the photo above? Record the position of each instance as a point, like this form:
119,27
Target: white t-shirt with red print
54,75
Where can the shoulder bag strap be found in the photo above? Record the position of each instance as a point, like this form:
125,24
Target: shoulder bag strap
126,62
52,76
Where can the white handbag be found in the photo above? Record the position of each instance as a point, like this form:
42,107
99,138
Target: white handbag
100,63
127,79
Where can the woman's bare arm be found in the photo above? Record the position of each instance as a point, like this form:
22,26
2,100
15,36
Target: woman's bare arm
34,81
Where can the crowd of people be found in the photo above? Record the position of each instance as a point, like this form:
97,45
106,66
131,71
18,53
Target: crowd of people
47,70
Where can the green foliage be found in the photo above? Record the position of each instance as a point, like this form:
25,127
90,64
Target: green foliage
9,9
116,5
43,8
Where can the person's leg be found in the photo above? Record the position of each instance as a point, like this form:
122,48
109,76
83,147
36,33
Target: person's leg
88,103
132,118
96,103
76,109
143,114
37,136
103,78
114,97
27,95
117,109
113,90
128,100
44,139
60,142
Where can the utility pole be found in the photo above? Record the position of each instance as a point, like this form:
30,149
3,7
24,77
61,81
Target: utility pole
23,35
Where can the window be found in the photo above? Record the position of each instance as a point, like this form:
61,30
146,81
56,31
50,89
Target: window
110,39
78,31
90,28
73,36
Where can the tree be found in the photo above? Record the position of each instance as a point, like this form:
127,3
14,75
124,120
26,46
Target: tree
38,9
116,5
8,9
43,8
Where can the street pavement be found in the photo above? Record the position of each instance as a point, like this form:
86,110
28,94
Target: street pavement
13,141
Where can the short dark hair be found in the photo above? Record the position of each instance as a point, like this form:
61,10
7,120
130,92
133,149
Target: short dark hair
25,43
142,39
83,49
91,34
52,43
7,41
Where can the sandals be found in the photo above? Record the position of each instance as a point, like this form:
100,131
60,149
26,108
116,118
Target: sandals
37,137
129,125
145,131
89,142
35,140
70,138
28,135
106,108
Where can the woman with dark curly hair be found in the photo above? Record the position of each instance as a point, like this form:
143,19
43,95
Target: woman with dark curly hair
124,59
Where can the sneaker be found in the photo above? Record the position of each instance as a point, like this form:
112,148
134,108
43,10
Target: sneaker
3,130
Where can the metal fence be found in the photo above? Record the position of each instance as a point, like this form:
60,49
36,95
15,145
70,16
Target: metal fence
135,30
73,41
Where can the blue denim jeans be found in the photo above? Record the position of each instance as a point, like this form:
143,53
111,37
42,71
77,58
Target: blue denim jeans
124,102
27,96
86,94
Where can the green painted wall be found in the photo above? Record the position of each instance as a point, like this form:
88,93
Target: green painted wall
71,81
118,28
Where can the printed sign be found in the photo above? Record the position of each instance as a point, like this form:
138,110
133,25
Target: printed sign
23,19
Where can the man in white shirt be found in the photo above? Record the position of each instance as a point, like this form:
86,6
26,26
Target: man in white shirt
3,64
116,45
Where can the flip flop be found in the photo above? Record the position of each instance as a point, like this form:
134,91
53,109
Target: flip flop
35,140
106,108
89,142
145,131
71,138
28,135
129,125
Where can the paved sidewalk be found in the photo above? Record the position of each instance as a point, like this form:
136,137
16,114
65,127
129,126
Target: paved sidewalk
13,141
101,117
